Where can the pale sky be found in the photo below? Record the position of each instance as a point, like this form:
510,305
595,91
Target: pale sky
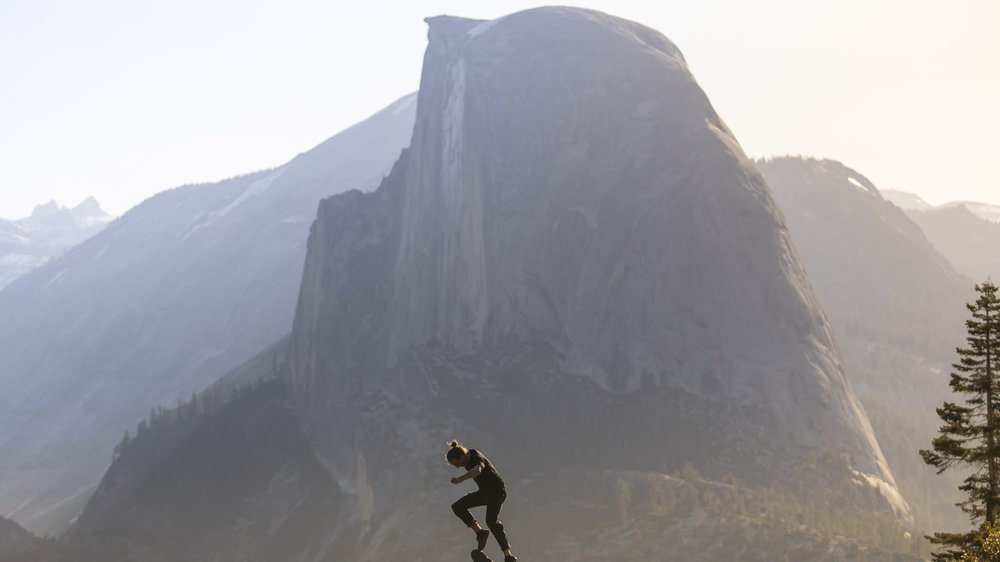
121,99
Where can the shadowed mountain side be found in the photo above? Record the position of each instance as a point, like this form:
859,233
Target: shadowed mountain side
18,545
185,286
237,483
896,306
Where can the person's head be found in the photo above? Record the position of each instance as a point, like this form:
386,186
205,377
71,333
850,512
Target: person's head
456,452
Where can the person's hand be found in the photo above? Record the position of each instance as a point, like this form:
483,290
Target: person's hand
455,480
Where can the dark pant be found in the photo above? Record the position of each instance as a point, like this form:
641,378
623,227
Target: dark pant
493,502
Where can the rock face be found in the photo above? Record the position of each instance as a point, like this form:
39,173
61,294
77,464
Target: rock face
179,290
568,188
896,306
50,230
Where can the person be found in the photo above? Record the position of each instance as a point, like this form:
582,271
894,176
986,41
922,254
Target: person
492,493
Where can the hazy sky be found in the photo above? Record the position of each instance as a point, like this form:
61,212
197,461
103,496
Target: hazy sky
121,99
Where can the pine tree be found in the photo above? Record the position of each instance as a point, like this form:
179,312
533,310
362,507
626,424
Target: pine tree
988,546
970,434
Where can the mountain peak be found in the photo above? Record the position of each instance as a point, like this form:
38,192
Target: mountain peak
53,215
89,204
46,209
906,201
843,177
89,212
549,25
985,211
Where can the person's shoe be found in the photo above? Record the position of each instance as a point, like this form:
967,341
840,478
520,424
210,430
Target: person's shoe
510,559
482,537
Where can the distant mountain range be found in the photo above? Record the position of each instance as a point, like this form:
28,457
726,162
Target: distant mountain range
50,230
182,288
913,202
966,232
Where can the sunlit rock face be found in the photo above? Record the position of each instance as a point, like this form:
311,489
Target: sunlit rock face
568,185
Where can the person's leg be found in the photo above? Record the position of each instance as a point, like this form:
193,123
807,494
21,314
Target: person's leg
493,506
464,503
461,509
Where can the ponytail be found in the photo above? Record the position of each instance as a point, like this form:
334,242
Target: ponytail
456,450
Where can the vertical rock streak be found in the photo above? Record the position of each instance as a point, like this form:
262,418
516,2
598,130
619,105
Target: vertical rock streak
463,261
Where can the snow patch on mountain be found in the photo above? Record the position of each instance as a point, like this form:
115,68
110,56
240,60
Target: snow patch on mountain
255,188
857,184
56,278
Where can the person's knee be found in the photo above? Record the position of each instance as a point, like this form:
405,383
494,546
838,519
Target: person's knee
495,526
458,508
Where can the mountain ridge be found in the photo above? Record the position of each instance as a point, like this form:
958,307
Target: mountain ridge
51,230
183,287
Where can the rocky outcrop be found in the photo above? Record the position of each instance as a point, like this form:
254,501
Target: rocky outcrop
570,186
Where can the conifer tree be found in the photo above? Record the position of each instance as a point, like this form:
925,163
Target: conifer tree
987,548
970,433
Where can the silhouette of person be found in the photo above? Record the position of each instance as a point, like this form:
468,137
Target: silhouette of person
492,493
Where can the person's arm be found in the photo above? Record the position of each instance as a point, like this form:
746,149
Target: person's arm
476,471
